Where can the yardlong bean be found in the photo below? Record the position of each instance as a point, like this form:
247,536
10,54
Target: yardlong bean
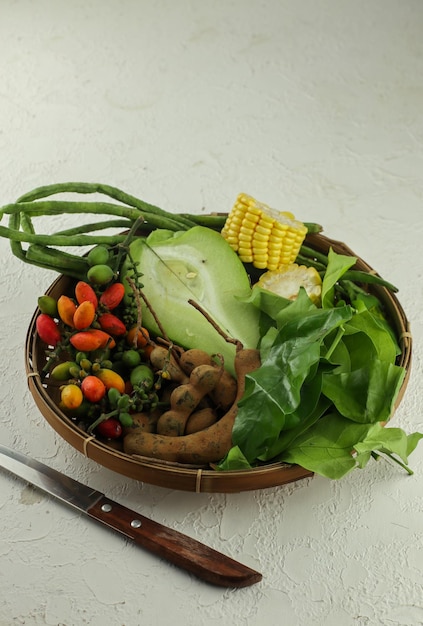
108,190
59,240
87,228
41,250
358,276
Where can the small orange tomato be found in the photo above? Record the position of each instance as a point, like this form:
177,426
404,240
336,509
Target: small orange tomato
71,396
93,388
84,315
148,349
138,337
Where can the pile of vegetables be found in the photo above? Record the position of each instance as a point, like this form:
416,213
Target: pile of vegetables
181,344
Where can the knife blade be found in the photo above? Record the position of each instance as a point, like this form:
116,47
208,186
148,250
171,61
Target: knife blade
179,549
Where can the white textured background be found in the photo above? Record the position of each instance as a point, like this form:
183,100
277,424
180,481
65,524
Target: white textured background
312,106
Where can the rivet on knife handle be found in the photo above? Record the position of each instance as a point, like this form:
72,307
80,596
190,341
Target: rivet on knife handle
181,550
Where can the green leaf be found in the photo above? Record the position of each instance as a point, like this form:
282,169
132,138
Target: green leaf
338,264
287,438
367,394
326,447
374,328
386,441
273,392
234,460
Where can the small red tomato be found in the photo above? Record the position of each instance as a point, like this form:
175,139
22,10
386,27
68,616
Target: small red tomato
110,428
93,388
47,329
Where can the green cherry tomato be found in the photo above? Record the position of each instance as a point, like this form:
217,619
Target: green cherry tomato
131,358
100,274
142,376
98,256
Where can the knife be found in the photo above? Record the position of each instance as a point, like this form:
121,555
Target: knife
177,548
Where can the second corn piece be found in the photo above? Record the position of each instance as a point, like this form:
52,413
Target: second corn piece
263,236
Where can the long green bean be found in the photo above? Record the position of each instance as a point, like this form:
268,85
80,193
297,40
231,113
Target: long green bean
62,261
87,228
58,207
305,260
306,251
108,190
211,221
60,240
16,246
357,276
26,223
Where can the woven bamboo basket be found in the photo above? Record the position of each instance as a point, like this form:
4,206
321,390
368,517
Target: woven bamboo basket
175,475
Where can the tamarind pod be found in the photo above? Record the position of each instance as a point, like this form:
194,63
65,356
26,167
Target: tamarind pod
199,420
144,421
223,395
205,446
161,359
185,398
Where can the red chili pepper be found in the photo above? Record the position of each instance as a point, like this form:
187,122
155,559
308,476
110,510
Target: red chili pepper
84,292
112,324
48,329
92,339
112,296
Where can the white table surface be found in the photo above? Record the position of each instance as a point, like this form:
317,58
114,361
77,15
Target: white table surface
314,107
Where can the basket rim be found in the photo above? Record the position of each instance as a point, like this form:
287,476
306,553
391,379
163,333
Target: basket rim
193,478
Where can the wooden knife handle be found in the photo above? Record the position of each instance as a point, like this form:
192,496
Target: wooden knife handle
181,550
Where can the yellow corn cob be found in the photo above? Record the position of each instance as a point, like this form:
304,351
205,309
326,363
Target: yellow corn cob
261,235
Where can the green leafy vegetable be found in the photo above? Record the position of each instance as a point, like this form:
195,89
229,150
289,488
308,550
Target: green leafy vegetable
274,390
327,382
327,447
367,394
